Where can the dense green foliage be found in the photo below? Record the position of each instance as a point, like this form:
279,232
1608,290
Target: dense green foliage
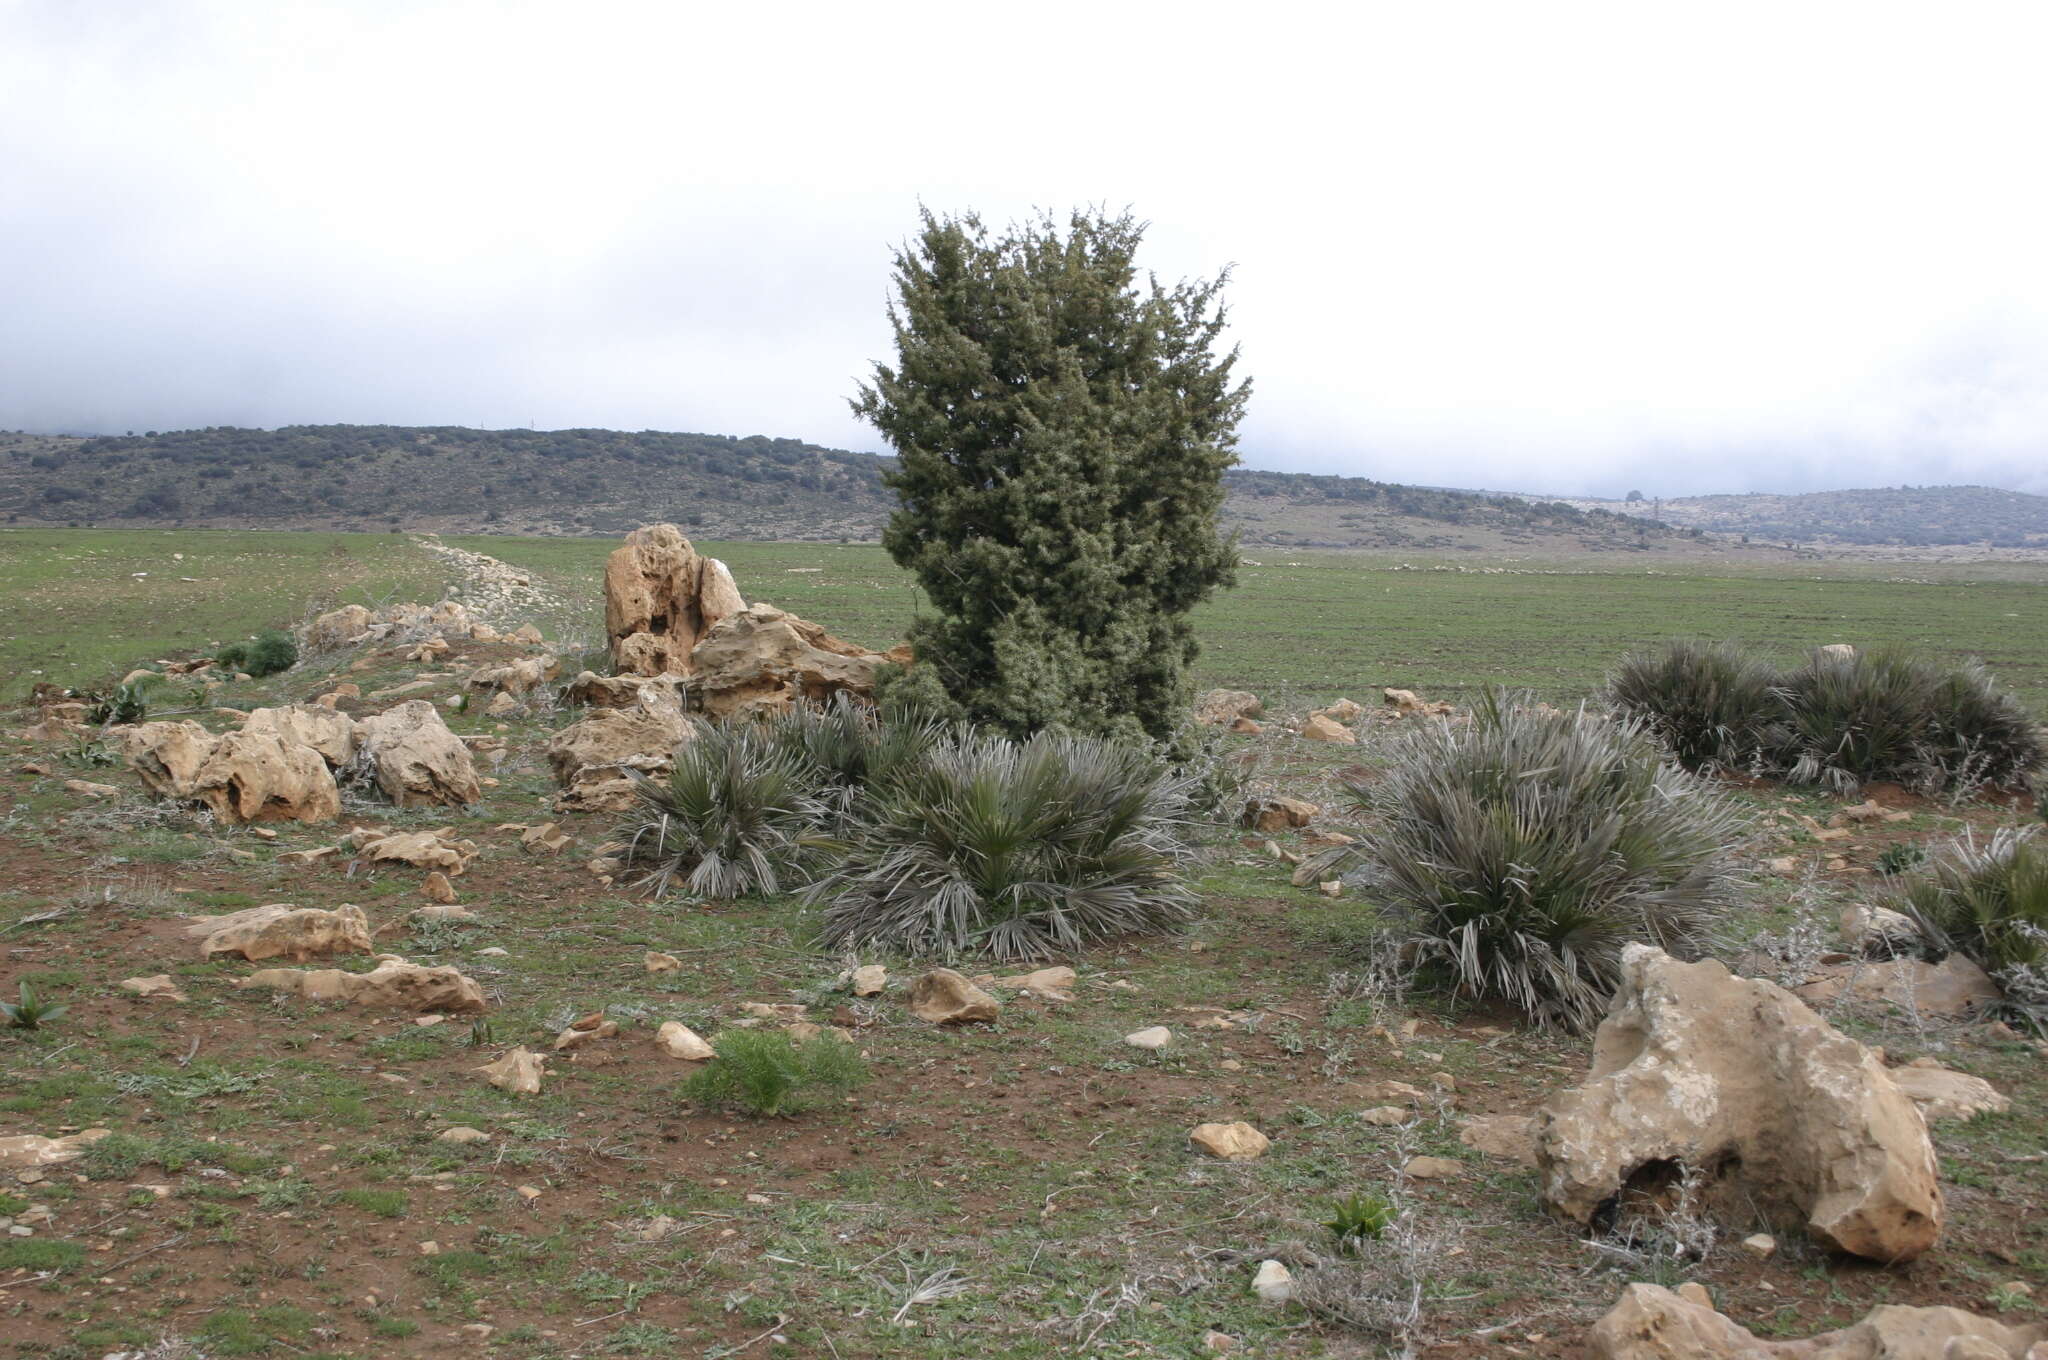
765,1072
736,817
1061,436
1012,849
1521,851
1987,902
271,651
1841,720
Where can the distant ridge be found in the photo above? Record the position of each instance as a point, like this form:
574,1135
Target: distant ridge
1906,516
453,479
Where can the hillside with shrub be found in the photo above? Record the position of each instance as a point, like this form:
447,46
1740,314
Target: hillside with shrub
452,479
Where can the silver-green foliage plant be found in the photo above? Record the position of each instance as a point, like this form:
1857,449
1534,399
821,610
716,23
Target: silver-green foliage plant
737,817
1013,849
1712,707
1519,852
848,748
1061,433
1985,900
765,1072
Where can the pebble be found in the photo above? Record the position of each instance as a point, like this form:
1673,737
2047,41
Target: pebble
1152,1039
1274,1283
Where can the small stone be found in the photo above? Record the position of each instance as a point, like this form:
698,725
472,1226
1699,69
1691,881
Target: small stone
1231,1065
1331,887
1433,1168
661,963
869,979
1234,1142
518,1072
1760,1245
943,997
463,1134
159,985
437,888
1152,1039
529,1193
1222,1343
678,1040
1692,1291
1784,866
494,952
1274,1283
430,1248
1387,1116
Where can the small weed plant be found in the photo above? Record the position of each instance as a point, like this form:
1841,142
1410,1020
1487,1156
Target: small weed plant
1360,1217
29,1011
766,1073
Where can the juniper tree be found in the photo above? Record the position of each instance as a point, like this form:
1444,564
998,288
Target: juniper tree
1061,435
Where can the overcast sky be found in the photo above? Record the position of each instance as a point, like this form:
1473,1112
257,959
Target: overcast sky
1563,247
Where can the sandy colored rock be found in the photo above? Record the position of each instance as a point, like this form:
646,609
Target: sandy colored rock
434,850
240,777
158,985
1222,707
1344,712
1697,1067
337,628
1653,1323
436,888
678,1040
20,1152
656,962
944,997
590,758
1055,983
545,839
574,1037
282,931
462,1135
1245,727
1760,1245
519,677
868,980
761,660
415,759
518,1072
1273,1283
1151,1039
1234,1142
1511,1137
1952,988
1271,813
1433,1168
394,983
1944,1094
90,789
330,733
1387,1116
1321,727
661,596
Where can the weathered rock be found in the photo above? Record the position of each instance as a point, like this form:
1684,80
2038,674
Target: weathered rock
1053,984
1245,727
240,777
1433,1168
1954,987
574,1037
661,596
416,759
1234,1142
656,962
330,733
158,985
1152,1039
518,1072
678,1040
1344,712
1274,1283
1760,1245
462,1135
1387,1116
393,983
1408,704
1273,813
20,1152
760,660
1944,1094
1319,727
337,628
868,980
436,888
434,850
545,839
1878,930
90,789
590,758
518,677
1222,707
282,931
944,997
1509,1136
1653,1323
1698,1068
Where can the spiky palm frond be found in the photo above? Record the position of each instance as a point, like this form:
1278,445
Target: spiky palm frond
1988,901
736,817
1711,706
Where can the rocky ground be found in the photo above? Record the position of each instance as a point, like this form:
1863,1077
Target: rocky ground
300,1168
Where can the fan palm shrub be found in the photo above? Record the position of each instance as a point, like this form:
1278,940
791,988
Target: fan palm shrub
1712,706
1857,717
849,747
1978,734
1521,851
736,817
1012,849
1987,902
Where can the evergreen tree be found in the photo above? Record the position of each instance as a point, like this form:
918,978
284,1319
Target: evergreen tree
1061,436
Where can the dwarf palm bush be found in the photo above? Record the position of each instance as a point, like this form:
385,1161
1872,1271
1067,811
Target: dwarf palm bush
1987,902
1858,717
1710,705
735,817
1522,851
848,747
1012,849
1978,734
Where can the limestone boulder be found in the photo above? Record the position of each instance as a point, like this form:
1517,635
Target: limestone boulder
519,677
592,690
415,759
240,777
661,596
167,756
1737,1079
20,1152
1942,1093
678,1040
518,1072
1406,703
1345,711
1950,989
1651,1322
590,758
1222,707
1322,727
944,997
435,850
393,983
331,733
1274,813
761,659
1233,1142
282,931
338,628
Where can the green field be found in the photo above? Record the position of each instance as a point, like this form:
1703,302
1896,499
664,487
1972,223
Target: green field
1307,628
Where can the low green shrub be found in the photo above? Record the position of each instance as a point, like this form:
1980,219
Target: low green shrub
270,652
1012,849
1518,854
849,748
765,1072
1361,1217
1986,901
1710,705
736,817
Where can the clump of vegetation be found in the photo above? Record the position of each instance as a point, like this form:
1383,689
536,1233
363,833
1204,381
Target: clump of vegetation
736,817
1363,1217
765,1072
1897,859
1711,706
271,651
848,747
127,702
1520,852
1014,849
29,1012
1841,720
1987,902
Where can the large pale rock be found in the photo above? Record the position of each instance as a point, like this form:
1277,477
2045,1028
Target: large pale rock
522,676
1954,987
394,983
611,691
337,628
1322,727
518,1072
761,659
1345,711
415,759
167,756
330,733
282,931
590,758
1274,813
661,596
678,1040
944,997
1234,1142
434,850
241,776
1698,1068
1653,1323
1222,707
20,1152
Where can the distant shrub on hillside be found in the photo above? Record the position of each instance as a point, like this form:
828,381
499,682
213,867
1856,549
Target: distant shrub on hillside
272,651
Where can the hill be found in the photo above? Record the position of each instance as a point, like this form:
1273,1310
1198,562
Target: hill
452,479
1910,516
